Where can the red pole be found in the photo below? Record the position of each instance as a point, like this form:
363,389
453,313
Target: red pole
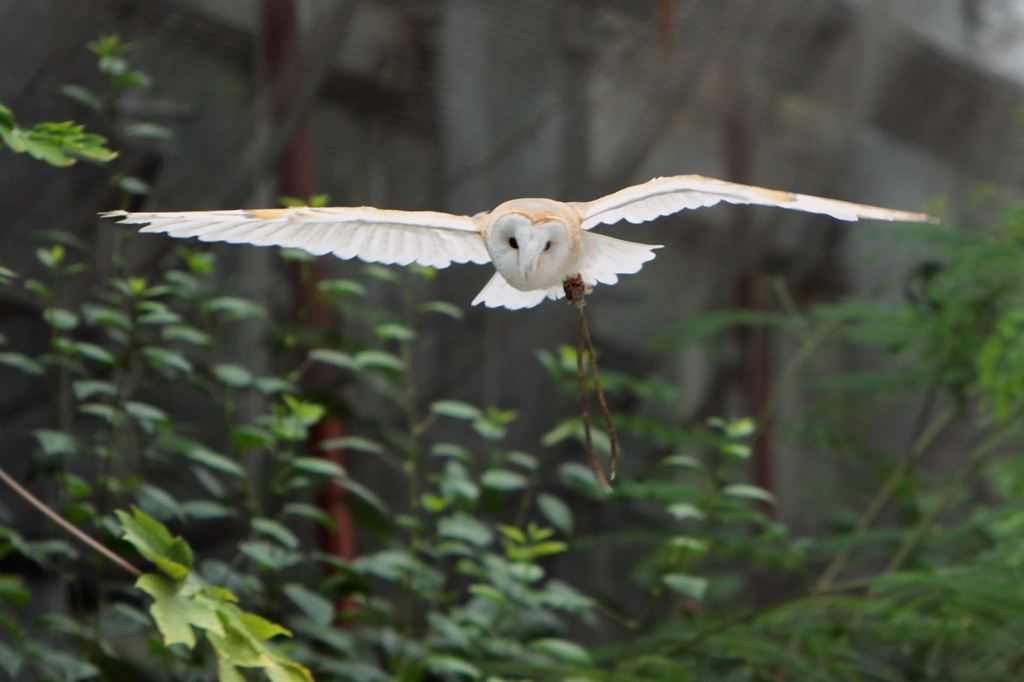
754,371
296,177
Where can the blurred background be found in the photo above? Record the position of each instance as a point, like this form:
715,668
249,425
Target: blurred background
458,105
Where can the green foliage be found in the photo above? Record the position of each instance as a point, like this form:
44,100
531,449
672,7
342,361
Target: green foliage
186,603
58,144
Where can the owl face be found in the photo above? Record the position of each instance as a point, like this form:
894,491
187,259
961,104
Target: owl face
532,250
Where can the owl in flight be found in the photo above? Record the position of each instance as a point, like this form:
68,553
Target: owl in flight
534,244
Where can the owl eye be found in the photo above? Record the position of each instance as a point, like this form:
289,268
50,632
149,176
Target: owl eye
513,243
547,246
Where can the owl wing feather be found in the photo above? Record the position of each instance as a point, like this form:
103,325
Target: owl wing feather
373,235
663,196
604,258
498,293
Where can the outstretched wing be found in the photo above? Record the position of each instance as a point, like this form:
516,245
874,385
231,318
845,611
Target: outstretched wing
371,234
663,196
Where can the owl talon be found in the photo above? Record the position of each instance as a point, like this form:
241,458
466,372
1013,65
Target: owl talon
576,291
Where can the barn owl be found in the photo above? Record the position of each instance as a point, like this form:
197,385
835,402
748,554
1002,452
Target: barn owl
534,244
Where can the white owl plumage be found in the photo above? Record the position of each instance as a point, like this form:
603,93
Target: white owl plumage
534,244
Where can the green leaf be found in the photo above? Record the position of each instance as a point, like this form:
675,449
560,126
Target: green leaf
269,556
173,610
10,661
261,628
512,533
735,428
94,352
157,313
22,362
561,649
488,429
357,443
59,318
557,512
363,493
76,486
456,409
456,482
233,375
251,438
234,308
381,272
113,65
312,512
55,442
186,334
39,289
60,237
687,461
150,131
398,332
134,186
6,118
442,664
272,385
691,544
167,359
134,79
106,316
158,502
277,531
682,511
318,466
105,412
203,455
441,307
88,388
145,412
452,450
295,255
151,539
581,479
487,592
341,287
501,479
334,357
82,96
566,429
736,450
379,359
206,509
319,610
466,528
547,548
573,428
691,586
750,492
527,461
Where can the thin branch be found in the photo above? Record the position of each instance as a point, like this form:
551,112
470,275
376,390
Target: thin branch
605,412
60,521
575,294
874,510
918,532
811,343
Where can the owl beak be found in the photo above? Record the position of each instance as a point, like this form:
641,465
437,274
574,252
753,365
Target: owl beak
529,258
